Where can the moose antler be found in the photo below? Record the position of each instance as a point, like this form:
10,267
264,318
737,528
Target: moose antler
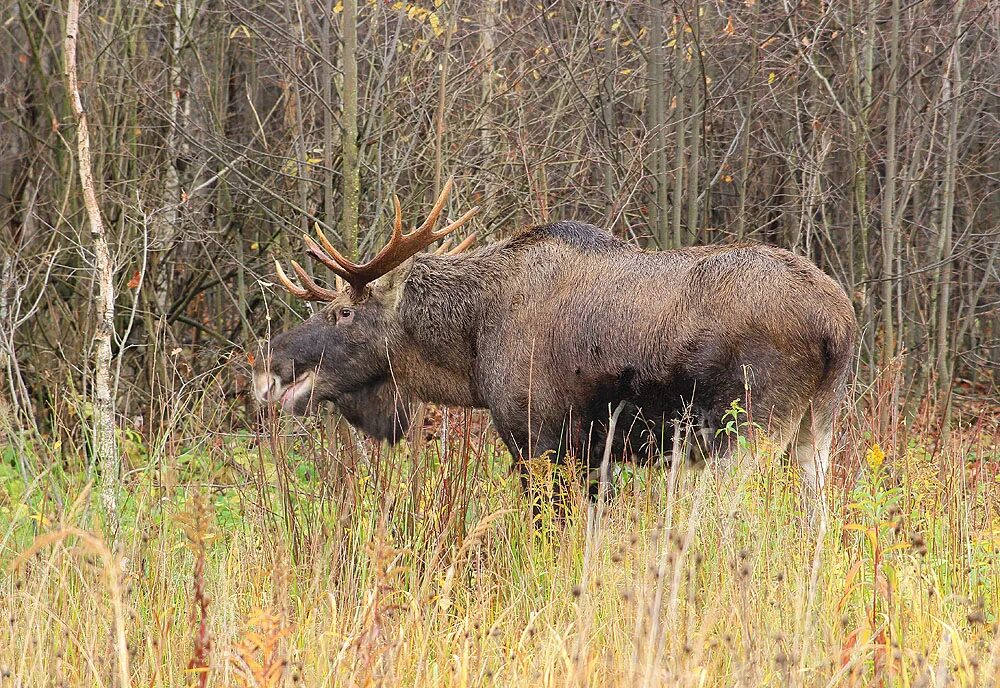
400,248
311,292
446,250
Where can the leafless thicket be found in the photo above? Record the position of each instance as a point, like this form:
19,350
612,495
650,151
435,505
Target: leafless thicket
862,134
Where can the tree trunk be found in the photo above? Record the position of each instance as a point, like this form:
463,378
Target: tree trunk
441,102
679,124
952,94
351,163
656,121
165,224
748,109
487,134
608,108
105,446
697,125
889,194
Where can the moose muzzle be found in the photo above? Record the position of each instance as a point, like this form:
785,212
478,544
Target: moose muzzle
269,388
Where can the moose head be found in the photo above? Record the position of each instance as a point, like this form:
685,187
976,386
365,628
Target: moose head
340,354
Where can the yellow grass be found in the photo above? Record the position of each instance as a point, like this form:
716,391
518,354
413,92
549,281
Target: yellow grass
360,566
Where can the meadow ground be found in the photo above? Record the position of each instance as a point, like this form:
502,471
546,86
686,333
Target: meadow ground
305,557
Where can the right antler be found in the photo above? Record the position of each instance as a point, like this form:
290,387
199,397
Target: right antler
400,248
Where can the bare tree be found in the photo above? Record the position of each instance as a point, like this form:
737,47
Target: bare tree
351,165
105,446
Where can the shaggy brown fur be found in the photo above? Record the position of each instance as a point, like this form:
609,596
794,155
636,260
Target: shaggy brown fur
554,327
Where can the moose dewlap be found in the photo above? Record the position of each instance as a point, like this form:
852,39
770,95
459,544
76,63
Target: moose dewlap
552,328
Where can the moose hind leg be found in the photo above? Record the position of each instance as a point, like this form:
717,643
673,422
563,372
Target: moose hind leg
811,450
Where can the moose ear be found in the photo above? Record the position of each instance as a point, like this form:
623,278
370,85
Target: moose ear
389,286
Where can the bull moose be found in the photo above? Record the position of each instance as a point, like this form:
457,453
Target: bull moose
554,326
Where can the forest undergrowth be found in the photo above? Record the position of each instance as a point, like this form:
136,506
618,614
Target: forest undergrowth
297,554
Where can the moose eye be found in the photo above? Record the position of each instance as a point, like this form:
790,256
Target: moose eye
345,316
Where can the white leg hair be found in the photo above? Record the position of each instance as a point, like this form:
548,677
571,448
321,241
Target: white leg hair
811,451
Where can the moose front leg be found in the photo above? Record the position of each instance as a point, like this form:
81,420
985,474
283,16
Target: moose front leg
546,442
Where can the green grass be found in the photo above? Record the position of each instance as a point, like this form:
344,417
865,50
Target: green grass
352,564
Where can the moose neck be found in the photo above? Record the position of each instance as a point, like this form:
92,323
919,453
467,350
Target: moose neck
442,308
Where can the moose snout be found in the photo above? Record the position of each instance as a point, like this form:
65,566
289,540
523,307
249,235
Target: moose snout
266,386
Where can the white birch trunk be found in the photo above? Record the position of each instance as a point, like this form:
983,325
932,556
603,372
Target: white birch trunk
105,446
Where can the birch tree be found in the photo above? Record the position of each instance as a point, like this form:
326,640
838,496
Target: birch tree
104,444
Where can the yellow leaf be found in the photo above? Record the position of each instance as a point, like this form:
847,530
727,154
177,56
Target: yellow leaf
771,78
872,537
42,520
436,24
339,7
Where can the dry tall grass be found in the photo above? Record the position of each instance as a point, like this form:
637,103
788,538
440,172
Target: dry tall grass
303,557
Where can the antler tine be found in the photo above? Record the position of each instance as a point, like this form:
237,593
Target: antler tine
312,291
458,223
432,217
345,270
445,247
415,240
288,284
316,292
328,255
466,243
397,225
